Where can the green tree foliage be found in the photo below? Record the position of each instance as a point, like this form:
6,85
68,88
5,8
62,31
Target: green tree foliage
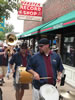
2,35
8,28
8,6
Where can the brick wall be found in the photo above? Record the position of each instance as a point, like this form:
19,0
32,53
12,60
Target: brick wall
30,24
57,8
51,10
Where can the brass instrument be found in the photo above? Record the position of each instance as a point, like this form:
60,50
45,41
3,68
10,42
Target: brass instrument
9,51
11,39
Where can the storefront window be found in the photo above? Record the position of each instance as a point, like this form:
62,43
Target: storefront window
69,51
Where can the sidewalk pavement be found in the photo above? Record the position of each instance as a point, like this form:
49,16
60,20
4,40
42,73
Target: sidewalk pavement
9,91
67,92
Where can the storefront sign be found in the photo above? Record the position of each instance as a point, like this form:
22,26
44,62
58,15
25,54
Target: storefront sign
30,11
2,23
58,26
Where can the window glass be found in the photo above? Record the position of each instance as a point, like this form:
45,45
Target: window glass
70,39
68,56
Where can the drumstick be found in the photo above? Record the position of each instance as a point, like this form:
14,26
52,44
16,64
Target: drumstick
40,78
45,77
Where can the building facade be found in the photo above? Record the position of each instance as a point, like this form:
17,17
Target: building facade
53,9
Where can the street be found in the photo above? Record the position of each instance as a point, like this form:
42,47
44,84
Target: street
9,91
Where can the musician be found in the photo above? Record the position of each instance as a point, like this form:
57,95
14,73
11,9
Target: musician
3,63
45,63
20,58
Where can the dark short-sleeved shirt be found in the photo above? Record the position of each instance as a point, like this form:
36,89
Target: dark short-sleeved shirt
3,60
0,58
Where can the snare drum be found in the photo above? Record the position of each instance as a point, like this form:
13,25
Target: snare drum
48,92
22,76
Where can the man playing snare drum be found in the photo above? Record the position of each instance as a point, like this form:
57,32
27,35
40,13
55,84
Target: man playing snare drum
20,58
46,65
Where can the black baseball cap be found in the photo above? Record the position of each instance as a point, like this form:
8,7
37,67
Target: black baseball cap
44,41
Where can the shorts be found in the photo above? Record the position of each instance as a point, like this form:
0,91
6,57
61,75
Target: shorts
20,86
3,70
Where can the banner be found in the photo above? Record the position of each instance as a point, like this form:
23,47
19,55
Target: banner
2,22
30,11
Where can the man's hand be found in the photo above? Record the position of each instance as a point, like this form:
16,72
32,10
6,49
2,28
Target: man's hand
59,77
13,70
36,76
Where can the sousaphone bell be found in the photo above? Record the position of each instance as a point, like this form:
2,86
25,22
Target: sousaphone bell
11,39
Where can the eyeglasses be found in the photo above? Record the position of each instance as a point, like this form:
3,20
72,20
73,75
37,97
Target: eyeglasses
41,45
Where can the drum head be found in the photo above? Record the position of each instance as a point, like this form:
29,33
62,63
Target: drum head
49,92
22,76
17,76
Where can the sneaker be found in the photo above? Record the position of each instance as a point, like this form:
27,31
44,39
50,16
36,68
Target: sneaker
3,80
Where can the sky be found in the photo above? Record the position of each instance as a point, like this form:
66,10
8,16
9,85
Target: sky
38,1
18,24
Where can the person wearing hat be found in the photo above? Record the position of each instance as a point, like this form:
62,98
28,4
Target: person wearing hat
20,59
44,63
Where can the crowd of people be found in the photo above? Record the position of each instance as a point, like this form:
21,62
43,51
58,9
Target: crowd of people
44,63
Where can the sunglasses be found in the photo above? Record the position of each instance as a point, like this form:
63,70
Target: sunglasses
41,45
